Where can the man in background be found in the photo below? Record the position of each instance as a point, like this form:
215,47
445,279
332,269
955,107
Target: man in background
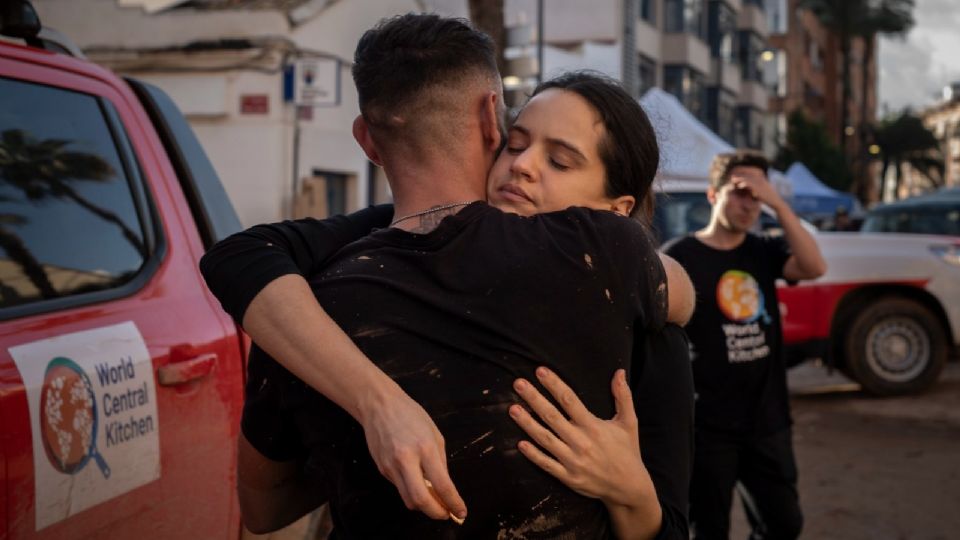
742,419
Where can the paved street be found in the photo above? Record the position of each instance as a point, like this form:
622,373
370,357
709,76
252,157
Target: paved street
870,469
875,468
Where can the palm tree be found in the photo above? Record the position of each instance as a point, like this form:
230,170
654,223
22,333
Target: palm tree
808,142
19,253
842,17
881,17
865,19
45,169
904,140
487,15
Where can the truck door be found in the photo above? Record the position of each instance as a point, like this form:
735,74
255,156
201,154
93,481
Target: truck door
120,379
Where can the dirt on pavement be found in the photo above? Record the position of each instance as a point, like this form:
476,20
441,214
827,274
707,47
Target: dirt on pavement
870,468
875,468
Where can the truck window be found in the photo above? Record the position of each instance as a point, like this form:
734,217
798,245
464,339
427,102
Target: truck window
680,213
69,221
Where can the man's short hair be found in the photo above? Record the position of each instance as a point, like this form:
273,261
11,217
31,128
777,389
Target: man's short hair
403,65
726,162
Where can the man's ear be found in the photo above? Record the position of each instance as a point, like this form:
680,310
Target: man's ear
712,195
489,121
361,132
623,205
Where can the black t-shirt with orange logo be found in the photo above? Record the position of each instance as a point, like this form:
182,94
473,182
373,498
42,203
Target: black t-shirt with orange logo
735,334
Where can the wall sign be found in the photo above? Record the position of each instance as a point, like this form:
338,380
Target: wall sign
316,82
254,104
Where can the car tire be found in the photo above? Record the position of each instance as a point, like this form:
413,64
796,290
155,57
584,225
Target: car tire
895,346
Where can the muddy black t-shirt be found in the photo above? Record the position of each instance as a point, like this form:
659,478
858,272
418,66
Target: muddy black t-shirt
738,367
455,316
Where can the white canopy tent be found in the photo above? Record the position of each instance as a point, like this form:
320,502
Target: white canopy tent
687,146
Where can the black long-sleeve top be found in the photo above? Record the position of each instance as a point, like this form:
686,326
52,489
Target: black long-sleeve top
239,267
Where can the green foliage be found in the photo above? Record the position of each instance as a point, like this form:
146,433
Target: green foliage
904,134
903,139
808,143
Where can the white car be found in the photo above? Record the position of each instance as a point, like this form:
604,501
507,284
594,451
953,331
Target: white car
886,313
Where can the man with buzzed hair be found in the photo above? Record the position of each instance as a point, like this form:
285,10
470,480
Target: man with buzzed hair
432,116
452,316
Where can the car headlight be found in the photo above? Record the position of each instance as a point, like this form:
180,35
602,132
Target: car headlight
949,253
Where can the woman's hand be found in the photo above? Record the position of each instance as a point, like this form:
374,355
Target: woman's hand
594,457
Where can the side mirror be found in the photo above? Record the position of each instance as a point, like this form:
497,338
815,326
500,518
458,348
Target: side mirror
18,19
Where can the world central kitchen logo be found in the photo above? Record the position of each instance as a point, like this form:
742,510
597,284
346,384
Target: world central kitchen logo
70,412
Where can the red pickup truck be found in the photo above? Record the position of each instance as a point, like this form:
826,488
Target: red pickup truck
121,380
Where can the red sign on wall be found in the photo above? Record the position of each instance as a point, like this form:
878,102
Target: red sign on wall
254,104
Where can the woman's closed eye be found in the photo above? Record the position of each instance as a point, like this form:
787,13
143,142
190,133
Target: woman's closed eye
559,165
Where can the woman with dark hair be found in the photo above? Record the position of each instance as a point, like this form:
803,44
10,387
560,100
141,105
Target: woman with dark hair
581,140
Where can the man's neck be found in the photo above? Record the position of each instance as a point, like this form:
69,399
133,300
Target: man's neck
427,193
717,236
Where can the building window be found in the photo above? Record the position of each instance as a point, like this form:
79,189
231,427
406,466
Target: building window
777,16
750,127
722,31
751,49
689,87
647,72
685,16
722,116
813,99
325,194
336,188
816,56
774,70
648,11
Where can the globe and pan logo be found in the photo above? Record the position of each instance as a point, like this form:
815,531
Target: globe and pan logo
739,297
68,418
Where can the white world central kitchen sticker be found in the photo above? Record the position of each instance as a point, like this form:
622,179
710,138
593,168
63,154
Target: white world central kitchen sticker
93,415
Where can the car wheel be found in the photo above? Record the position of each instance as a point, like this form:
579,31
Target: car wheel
895,346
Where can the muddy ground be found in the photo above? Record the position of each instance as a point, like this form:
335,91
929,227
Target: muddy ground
870,469
874,468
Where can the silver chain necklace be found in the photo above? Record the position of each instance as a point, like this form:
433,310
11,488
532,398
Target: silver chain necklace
430,211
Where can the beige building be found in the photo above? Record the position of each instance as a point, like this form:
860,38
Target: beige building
230,67
236,68
944,120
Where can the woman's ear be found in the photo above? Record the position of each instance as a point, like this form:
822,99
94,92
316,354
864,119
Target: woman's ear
623,205
361,132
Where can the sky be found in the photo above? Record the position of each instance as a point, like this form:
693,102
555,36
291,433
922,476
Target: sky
913,71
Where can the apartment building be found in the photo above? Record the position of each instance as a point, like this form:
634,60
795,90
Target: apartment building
707,53
943,119
804,70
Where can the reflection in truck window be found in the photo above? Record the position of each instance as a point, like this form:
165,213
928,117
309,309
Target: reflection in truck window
68,221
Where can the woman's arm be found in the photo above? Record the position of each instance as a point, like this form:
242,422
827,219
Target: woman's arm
680,294
662,382
596,458
258,277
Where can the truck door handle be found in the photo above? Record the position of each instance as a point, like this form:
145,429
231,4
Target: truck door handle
188,370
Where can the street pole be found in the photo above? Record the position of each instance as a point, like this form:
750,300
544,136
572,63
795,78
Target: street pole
628,59
539,41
